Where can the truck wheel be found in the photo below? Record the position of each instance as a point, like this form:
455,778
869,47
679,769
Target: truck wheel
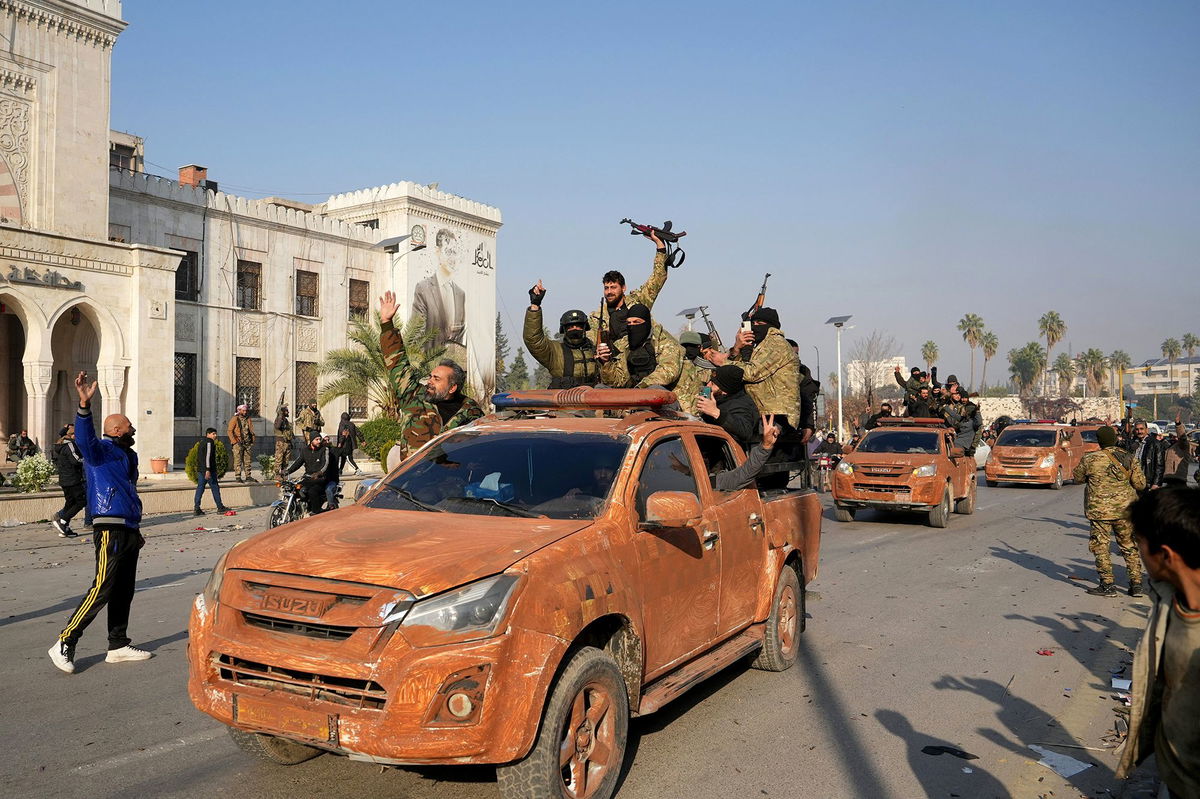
966,505
1058,481
843,514
581,744
270,748
782,637
939,516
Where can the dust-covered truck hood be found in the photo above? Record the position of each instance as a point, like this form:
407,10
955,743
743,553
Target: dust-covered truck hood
421,552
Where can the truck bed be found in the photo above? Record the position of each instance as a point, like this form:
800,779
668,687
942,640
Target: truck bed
795,517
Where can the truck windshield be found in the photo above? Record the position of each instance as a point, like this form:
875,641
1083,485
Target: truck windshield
552,474
1027,438
1089,436
911,442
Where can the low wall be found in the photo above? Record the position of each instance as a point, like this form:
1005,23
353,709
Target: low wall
992,408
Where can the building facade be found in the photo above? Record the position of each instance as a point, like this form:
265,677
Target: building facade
183,300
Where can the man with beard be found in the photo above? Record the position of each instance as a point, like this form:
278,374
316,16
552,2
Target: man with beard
425,411
730,407
647,355
885,411
283,439
111,467
963,416
320,468
1151,454
920,405
572,361
611,317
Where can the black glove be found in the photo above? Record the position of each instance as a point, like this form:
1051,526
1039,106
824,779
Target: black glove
933,374
536,297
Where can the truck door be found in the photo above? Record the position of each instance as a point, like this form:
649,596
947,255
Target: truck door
736,516
680,572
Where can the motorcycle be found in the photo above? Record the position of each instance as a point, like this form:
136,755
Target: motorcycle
824,466
292,504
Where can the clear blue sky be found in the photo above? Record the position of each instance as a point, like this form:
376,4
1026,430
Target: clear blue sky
904,162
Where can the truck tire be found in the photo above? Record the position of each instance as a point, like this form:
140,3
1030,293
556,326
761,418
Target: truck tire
843,514
940,516
272,749
1058,480
587,717
966,505
781,640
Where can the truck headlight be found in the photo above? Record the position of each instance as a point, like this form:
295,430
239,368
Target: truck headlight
212,589
464,614
845,468
1047,462
928,470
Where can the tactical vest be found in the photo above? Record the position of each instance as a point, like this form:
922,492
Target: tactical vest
591,372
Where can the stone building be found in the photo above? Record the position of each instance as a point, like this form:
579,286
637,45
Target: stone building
183,300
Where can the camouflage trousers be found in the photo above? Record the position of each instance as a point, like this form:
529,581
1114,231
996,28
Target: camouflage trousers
1103,530
241,459
283,453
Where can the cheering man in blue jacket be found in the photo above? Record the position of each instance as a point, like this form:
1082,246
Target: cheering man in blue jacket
111,468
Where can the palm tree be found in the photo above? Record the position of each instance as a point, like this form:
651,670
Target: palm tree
1170,351
1093,366
1064,367
990,344
1052,328
929,353
1119,360
1026,366
1190,343
358,369
971,326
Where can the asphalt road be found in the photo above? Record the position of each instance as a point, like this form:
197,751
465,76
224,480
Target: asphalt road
918,637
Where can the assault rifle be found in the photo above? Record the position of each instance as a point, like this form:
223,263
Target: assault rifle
744,353
714,337
669,238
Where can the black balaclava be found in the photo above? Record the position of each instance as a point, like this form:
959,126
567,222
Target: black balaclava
768,315
638,334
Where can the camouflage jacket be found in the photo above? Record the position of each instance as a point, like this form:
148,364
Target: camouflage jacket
668,353
646,295
773,376
419,418
1113,478
308,419
687,390
964,418
549,353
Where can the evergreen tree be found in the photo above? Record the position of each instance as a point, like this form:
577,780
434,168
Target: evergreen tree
502,351
518,373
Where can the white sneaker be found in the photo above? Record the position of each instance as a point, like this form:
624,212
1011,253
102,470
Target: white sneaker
63,657
126,654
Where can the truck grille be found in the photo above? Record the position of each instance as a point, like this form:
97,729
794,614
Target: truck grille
346,691
1023,463
305,628
882,488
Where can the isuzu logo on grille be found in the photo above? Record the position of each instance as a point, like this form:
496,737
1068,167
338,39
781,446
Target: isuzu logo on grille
298,604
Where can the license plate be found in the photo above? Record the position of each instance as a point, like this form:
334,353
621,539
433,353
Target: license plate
277,717
297,602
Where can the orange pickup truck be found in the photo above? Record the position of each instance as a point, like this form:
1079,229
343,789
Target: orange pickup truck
1038,453
511,594
906,464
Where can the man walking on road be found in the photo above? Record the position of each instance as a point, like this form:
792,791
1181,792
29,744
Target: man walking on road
69,462
1166,666
1114,478
111,467
208,474
241,436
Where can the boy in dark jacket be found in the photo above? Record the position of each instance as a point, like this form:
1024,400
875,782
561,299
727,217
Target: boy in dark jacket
207,474
69,462
347,440
111,468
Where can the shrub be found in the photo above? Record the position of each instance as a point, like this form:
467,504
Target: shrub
266,465
378,436
193,459
34,473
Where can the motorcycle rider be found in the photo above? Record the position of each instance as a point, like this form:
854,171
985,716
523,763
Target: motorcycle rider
319,468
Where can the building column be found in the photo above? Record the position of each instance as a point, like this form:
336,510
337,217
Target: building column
112,383
37,402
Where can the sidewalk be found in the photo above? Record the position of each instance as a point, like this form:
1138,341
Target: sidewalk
163,493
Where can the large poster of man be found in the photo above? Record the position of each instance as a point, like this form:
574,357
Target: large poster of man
439,298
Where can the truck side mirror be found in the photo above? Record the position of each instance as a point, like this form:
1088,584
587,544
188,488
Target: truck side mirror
362,488
673,509
957,452
846,450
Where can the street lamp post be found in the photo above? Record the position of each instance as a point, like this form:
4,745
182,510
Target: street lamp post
838,323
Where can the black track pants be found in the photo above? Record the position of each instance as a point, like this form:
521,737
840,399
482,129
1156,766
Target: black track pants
117,549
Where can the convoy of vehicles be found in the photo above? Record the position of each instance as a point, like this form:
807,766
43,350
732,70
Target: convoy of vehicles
1037,453
511,594
906,464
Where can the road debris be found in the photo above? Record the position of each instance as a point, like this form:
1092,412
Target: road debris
1045,652
948,750
1122,685
1064,766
